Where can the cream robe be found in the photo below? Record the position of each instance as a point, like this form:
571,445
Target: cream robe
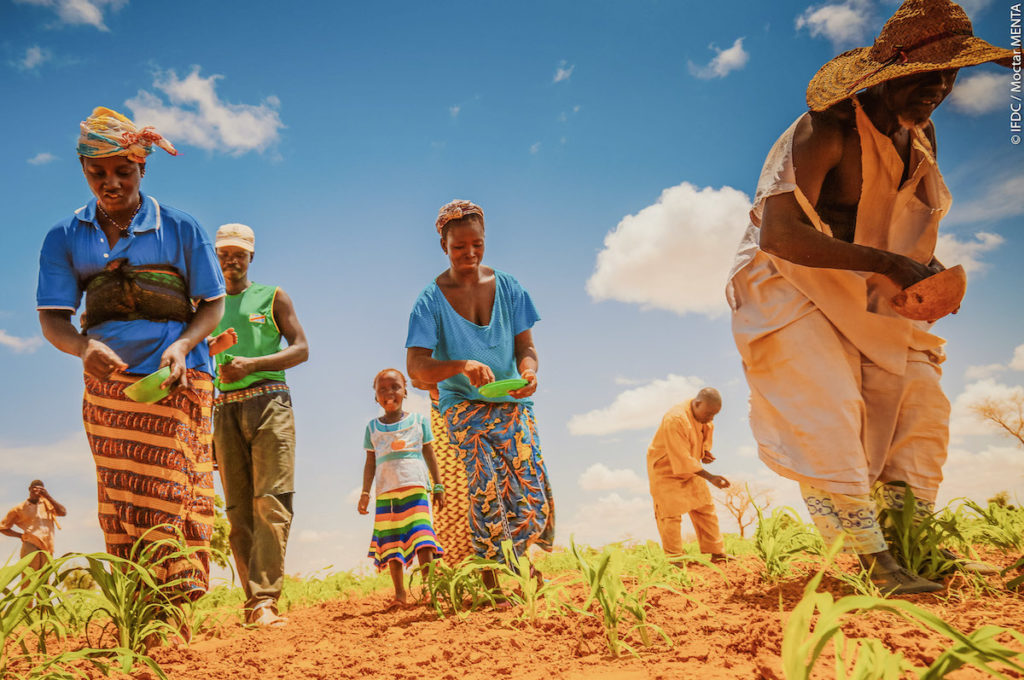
844,391
673,461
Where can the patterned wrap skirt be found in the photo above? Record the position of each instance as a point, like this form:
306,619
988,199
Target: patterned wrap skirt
154,467
401,526
509,494
452,521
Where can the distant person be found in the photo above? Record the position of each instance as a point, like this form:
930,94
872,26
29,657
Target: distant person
679,483
37,519
399,455
254,427
469,327
153,293
845,393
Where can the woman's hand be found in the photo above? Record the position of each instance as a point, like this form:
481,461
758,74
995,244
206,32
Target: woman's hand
439,500
100,361
364,503
529,388
478,373
175,357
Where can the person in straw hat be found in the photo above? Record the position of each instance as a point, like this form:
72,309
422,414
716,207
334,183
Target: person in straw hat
140,265
845,394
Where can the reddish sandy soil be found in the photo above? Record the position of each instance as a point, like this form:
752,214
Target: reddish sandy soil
728,630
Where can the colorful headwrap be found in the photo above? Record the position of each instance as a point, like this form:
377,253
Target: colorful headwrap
107,133
454,210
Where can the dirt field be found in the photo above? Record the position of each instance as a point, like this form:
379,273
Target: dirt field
728,630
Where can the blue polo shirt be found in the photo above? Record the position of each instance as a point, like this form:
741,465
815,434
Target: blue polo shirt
76,248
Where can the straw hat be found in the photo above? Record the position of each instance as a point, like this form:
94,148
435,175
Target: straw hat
923,35
932,298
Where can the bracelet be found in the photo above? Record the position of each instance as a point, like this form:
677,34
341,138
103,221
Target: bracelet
439,488
365,493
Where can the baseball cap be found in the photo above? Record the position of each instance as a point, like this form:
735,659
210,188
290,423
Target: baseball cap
235,234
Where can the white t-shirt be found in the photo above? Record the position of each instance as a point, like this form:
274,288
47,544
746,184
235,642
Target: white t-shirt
398,448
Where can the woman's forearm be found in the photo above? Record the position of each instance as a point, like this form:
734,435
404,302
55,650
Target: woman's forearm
59,331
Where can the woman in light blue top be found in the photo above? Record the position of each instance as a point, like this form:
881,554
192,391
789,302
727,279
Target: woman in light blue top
469,327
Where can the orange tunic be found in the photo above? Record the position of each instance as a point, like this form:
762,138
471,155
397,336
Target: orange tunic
673,461
37,520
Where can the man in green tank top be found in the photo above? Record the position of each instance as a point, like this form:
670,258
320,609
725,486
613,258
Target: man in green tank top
254,429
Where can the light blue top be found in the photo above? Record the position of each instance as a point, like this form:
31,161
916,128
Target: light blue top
435,325
398,451
76,248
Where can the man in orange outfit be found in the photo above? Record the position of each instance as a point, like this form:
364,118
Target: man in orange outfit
677,476
37,519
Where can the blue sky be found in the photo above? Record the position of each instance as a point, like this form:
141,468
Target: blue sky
336,130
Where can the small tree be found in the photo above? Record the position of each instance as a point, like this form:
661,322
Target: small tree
740,502
1006,412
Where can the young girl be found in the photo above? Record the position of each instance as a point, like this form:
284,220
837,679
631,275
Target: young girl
397,445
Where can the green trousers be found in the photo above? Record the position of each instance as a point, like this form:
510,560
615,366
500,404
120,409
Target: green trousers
254,444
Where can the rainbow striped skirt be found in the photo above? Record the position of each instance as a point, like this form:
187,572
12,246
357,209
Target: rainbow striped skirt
402,526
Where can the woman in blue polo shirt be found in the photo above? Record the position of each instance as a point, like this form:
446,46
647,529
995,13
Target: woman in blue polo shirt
140,265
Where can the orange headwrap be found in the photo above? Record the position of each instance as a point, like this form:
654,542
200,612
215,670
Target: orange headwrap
454,210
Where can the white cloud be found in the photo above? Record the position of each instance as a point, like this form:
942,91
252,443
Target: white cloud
963,421
564,71
611,518
42,158
675,254
1017,362
315,536
982,372
79,12
979,476
846,24
599,477
34,56
638,408
19,345
979,93
454,111
951,251
68,458
973,7
196,115
1001,200
725,61
534,148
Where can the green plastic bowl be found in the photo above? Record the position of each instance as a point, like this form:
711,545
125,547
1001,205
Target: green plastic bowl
501,388
147,390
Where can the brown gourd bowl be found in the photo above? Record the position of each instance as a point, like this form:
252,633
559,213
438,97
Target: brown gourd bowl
932,298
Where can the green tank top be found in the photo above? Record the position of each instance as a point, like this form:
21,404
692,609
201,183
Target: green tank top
251,314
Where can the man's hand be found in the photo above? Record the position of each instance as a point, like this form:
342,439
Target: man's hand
529,388
100,361
707,458
905,272
478,373
225,340
719,481
175,357
236,369
439,500
364,504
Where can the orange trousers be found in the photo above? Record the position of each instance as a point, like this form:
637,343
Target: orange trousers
705,525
